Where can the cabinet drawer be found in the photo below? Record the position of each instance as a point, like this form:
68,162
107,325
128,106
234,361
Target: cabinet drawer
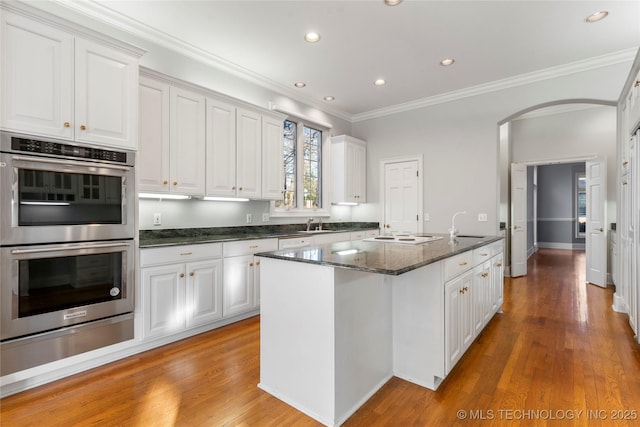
371,233
482,254
497,248
357,235
249,247
457,264
182,253
296,242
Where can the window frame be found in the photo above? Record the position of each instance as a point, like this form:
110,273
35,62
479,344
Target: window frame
325,159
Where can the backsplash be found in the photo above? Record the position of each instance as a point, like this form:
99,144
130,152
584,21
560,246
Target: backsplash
203,214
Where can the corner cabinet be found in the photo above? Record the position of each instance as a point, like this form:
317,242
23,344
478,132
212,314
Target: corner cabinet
59,82
348,170
181,288
172,139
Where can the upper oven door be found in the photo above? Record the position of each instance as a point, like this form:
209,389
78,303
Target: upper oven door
47,200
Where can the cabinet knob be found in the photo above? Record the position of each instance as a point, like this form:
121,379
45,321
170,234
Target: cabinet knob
83,127
191,274
637,83
257,262
250,264
181,275
465,289
625,163
461,291
240,189
175,183
601,229
233,188
165,182
484,274
499,264
67,124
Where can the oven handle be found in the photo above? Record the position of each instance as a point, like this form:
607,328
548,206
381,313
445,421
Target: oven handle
63,248
69,163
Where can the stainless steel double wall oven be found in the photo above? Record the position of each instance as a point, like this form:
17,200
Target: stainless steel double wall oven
66,249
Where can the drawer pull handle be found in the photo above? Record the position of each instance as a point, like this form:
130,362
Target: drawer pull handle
499,264
186,253
253,246
463,263
484,254
83,127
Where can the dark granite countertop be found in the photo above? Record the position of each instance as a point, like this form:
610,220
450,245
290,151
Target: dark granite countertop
188,236
384,258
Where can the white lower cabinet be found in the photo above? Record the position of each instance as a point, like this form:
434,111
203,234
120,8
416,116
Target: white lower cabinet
459,322
473,293
181,288
241,288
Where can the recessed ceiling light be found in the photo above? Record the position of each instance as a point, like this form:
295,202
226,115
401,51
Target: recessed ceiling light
598,16
392,2
447,61
312,37
329,98
380,82
299,84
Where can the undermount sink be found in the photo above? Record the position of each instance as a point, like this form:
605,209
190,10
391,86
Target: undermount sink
316,231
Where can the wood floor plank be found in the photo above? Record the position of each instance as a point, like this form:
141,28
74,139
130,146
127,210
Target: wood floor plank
558,347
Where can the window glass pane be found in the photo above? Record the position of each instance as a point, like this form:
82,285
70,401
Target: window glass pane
582,204
290,142
311,164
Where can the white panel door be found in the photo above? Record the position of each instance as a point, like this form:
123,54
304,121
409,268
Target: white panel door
163,299
596,244
248,153
106,95
221,148
154,153
36,70
238,290
518,220
187,142
401,197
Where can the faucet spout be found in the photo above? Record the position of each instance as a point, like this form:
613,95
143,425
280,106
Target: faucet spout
452,231
309,221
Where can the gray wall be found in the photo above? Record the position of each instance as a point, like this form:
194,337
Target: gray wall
556,215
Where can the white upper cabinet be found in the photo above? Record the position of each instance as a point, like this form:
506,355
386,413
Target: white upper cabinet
348,170
187,146
248,153
58,84
154,154
272,161
221,149
172,139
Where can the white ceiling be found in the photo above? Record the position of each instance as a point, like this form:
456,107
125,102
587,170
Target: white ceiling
491,41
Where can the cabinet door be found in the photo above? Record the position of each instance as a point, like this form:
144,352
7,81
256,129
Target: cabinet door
106,95
204,292
453,337
221,149
153,159
162,299
497,283
187,110
272,161
355,182
466,311
248,154
238,291
482,293
36,73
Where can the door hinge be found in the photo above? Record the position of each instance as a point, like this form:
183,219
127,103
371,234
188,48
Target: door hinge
417,173
418,217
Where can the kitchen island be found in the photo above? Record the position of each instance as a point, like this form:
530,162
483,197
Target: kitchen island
338,321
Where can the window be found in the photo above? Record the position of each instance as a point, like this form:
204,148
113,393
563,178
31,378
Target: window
302,162
581,204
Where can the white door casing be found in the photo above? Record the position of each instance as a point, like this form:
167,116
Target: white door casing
596,239
401,195
518,220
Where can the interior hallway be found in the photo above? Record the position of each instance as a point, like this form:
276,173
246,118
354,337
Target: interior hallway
557,351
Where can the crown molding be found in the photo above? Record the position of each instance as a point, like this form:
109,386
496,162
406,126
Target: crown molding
626,55
95,10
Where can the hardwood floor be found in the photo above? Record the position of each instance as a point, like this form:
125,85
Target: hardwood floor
558,351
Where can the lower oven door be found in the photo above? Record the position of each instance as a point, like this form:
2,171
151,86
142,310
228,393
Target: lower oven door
46,287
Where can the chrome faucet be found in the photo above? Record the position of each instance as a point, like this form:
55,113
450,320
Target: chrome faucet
452,231
309,224
319,223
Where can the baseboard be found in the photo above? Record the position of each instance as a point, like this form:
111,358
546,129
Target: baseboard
555,245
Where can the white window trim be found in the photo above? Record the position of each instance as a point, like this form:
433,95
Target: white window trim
325,210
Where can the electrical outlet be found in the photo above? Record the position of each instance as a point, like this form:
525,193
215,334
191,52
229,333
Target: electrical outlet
482,217
249,218
157,218
426,217
265,216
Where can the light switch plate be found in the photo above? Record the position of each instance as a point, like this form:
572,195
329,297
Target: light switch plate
157,218
249,218
426,217
265,217
482,217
